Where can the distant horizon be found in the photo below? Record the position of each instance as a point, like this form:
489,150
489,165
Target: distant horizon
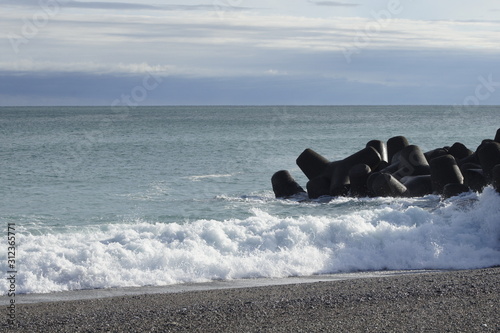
254,105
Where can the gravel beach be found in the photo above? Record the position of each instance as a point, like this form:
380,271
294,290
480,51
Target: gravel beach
452,301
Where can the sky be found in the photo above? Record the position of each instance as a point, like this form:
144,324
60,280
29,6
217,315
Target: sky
249,52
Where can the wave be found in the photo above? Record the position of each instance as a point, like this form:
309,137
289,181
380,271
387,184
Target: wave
200,177
459,233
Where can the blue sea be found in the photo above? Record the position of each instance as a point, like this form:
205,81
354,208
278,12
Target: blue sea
152,196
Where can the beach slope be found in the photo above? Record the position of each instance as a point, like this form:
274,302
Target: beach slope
451,301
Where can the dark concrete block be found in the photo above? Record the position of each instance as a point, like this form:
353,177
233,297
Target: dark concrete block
438,152
394,145
412,162
358,176
311,163
496,177
452,190
444,170
340,178
475,179
381,148
284,185
459,151
318,187
489,156
385,185
418,186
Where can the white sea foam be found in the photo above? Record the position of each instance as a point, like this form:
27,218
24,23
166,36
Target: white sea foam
200,177
460,233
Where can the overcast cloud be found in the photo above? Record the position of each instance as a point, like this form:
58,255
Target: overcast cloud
57,52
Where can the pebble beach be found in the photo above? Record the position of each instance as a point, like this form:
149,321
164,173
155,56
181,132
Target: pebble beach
450,301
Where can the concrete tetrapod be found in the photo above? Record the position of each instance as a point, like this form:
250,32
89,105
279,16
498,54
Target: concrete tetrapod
430,155
358,176
459,151
412,162
489,156
496,177
386,185
381,148
311,163
447,171
394,145
452,190
418,186
444,170
474,179
284,185
340,177
318,187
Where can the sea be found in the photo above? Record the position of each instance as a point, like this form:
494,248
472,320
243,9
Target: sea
106,197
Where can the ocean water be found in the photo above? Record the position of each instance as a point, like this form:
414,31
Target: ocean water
150,196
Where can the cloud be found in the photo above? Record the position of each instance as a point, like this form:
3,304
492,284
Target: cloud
275,72
333,3
256,46
378,77
275,32
183,36
91,57
122,5
107,5
29,66
127,6
72,89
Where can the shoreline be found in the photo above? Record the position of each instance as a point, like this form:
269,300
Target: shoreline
88,294
465,301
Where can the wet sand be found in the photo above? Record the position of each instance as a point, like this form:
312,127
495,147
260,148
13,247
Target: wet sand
451,301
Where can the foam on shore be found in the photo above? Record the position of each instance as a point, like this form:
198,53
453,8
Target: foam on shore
404,234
